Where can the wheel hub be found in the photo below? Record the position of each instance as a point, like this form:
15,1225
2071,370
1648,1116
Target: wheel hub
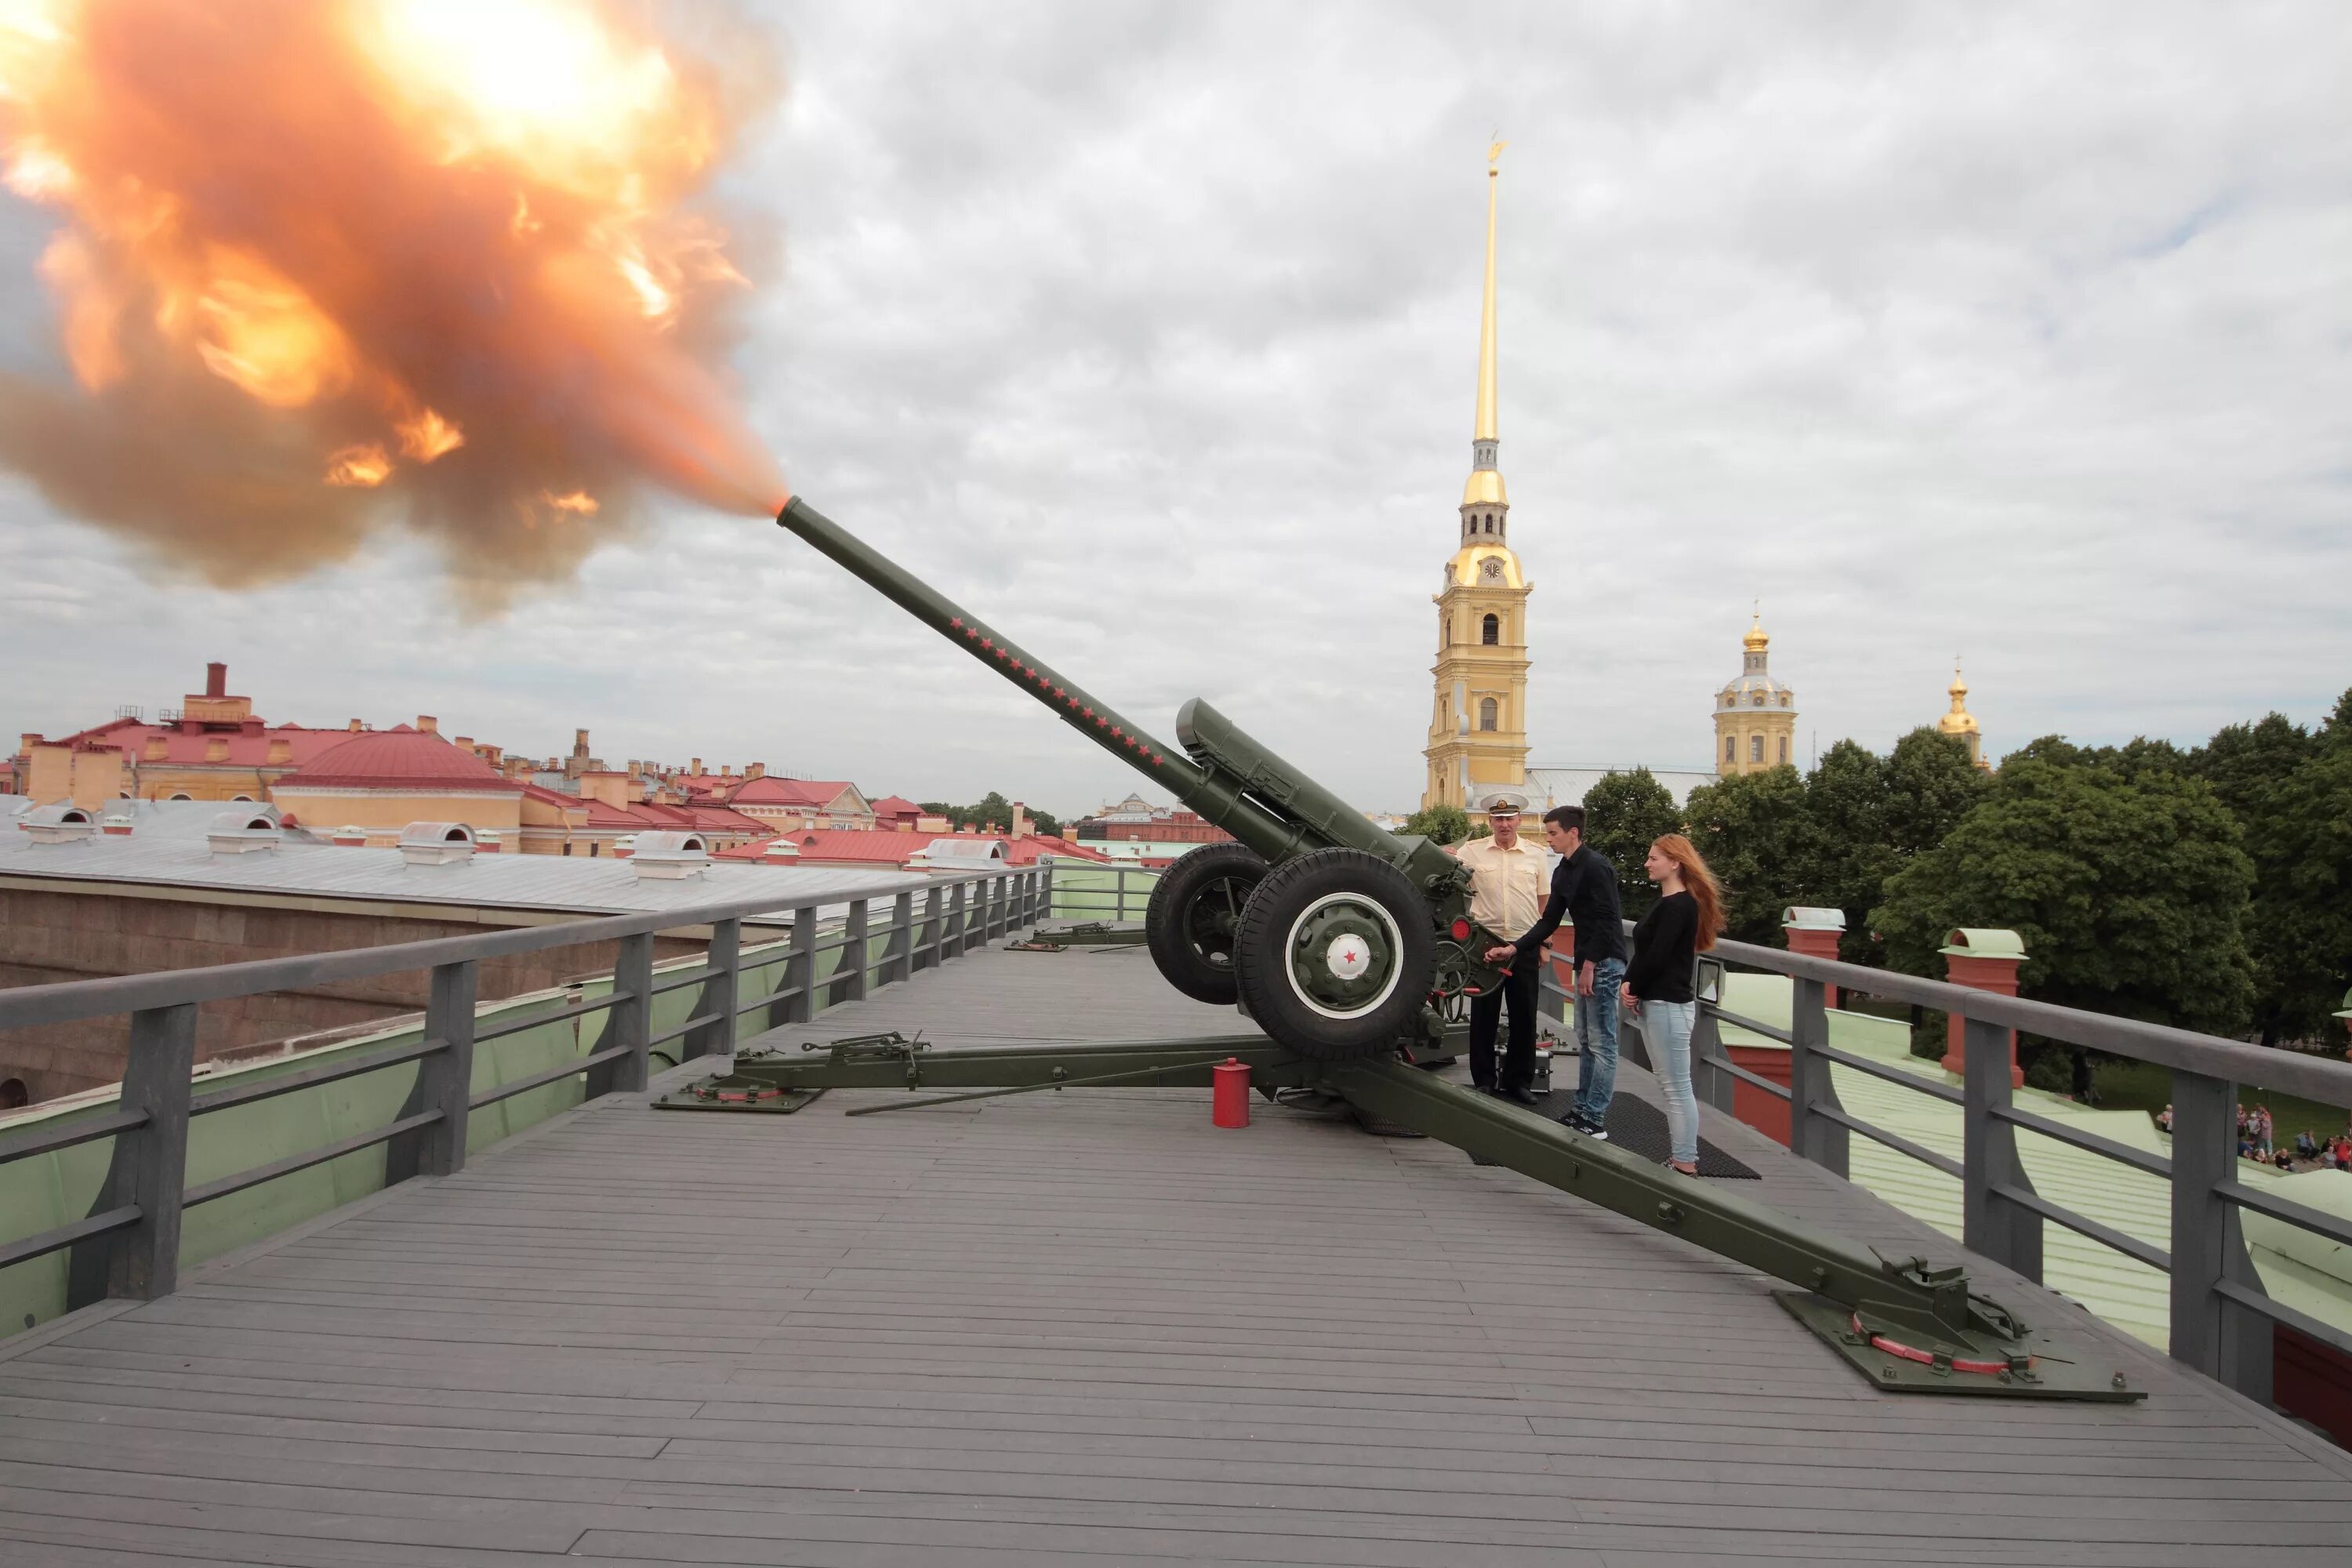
1343,955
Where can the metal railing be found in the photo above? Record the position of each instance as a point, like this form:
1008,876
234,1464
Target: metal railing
1113,903
2221,1321
147,1191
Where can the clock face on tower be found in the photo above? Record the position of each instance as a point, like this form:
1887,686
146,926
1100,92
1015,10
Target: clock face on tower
1491,569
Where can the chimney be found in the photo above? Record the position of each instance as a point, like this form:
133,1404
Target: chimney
726,770
694,767
281,751
429,724
1020,820
350,838
636,769
25,741
464,742
216,680
579,743
755,770
780,852
355,726
116,825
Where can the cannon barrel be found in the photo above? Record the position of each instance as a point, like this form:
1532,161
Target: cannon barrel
1224,780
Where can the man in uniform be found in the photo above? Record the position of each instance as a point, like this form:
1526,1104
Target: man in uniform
1507,894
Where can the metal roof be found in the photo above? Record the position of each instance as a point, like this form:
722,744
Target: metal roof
180,857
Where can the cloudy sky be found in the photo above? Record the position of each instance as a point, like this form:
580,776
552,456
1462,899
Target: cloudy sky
1149,333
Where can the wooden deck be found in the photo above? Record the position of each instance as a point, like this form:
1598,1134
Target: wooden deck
1064,1328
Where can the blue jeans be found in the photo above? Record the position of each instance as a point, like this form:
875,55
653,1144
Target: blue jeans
1667,1031
1596,1041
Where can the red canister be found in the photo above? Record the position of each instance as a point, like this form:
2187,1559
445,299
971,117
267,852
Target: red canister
1229,1093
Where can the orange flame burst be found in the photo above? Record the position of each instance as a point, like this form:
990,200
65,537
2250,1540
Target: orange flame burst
327,261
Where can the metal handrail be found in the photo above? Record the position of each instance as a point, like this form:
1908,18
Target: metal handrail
147,1188
2220,1316
70,1000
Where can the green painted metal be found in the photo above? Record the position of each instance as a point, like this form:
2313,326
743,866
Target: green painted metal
1086,933
1223,773
1868,1307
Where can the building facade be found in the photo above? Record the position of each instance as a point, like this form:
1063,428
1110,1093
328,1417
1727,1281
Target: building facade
1755,715
1478,717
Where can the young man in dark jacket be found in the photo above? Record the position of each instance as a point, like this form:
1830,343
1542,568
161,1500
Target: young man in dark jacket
1584,891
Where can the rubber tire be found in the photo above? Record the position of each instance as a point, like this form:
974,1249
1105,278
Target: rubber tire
1172,895
1262,961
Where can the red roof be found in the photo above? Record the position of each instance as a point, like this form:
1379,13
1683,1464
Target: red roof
398,759
248,746
886,846
897,805
770,789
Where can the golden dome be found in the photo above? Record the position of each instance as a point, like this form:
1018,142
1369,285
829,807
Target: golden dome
1959,721
1468,568
1484,487
1757,639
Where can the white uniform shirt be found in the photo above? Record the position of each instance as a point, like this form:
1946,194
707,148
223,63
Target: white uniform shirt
1507,886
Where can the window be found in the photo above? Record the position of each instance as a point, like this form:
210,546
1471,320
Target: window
567,847
593,847
1486,708
1759,699
1732,748
1491,634
1784,748
1755,748
183,794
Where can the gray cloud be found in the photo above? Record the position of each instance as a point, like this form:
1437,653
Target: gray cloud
1149,333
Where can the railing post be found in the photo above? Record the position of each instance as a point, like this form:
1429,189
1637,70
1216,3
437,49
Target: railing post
724,959
2210,1332
800,968
633,1014
1816,1138
150,1162
849,972
2006,1232
448,1073
1714,1087
951,937
927,949
992,907
1045,894
898,955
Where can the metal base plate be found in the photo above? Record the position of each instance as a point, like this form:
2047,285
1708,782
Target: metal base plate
2059,1369
731,1094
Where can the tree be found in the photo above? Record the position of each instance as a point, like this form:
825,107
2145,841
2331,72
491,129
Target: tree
1440,824
1625,813
2245,763
1930,785
2130,894
2300,836
1754,832
1846,807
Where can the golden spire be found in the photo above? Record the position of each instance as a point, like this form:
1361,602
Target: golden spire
1959,721
1486,484
1757,640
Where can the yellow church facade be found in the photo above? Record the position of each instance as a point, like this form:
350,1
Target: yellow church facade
1479,714
1755,715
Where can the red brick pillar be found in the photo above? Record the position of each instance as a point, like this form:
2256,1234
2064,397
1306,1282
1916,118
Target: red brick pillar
1981,961
1814,933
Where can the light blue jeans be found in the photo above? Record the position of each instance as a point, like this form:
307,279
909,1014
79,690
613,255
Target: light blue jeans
1666,1030
1596,1041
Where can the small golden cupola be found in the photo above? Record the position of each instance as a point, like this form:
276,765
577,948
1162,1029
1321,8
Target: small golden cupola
1960,722
1755,715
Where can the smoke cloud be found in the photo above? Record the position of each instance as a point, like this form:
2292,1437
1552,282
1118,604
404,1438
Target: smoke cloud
328,266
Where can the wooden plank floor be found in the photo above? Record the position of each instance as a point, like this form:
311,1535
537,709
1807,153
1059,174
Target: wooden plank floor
1064,1328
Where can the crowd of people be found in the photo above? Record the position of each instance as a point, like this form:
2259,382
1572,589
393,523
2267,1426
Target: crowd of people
2257,1141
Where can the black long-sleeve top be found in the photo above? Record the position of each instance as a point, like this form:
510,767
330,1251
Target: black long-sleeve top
1662,946
1584,890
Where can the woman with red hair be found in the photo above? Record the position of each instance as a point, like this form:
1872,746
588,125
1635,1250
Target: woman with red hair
1658,991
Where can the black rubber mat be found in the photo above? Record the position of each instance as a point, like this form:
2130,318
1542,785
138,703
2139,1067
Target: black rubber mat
1640,1128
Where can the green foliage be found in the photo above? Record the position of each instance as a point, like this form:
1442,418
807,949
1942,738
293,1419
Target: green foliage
1847,807
991,813
1625,813
1930,785
2245,763
1440,824
1754,832
2300,836
2130,892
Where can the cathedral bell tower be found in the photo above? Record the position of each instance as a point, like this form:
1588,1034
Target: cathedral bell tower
1478,728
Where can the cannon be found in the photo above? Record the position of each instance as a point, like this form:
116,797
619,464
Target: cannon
1345,944
1340,939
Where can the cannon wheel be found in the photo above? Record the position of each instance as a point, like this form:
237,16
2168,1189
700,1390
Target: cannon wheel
1194,915
1336,954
